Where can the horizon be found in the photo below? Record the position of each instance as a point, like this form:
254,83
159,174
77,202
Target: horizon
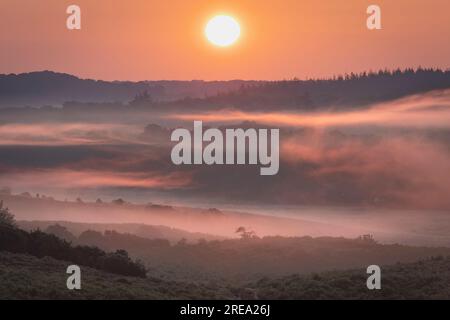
326,78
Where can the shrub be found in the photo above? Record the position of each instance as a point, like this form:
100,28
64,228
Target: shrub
6,217
41,244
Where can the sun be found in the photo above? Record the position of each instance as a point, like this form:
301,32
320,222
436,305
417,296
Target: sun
222,31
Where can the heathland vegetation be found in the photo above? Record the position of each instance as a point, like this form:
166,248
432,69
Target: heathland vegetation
41,244
28,277
33,265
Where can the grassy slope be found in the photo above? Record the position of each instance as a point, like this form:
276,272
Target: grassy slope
425,279
26,277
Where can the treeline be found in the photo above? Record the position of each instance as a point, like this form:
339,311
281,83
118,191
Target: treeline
250,257
348,91
41,244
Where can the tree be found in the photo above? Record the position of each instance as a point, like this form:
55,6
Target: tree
242,231
142,99
6,217
368,238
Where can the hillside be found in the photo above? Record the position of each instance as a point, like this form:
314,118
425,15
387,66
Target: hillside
426,279
26,277
52,88
198,221
249,258
142,230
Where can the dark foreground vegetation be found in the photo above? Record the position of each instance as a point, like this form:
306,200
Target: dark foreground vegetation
425,279
28,277
40,244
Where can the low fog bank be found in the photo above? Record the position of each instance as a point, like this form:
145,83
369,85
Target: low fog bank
422,228
393,154
381,169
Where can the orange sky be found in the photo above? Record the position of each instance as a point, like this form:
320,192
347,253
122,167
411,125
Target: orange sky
145,39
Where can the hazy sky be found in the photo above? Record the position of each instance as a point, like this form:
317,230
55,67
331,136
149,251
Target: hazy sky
145,39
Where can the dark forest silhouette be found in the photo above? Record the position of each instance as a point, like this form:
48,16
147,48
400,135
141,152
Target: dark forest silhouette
344,91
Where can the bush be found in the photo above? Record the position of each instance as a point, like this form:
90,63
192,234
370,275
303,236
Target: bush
119,262
6,217
13,240
40,244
